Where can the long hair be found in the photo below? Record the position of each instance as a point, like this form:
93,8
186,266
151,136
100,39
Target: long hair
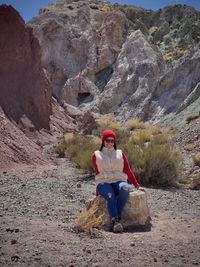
102,145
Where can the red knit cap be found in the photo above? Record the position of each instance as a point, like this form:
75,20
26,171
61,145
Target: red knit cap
108,133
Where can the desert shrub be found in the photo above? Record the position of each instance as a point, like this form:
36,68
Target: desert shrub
162,138
155,129
168,57
133,124
135,157
87,220
106,8
192,117
153,164
94,6
140,136
189,147
60,149
172,131
107,121
196,159
161,165
79,149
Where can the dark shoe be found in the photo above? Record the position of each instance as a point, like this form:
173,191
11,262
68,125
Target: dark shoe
118,227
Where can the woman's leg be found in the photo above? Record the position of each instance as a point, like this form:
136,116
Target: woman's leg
106,191
123,193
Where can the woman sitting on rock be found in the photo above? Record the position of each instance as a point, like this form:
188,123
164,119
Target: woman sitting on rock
112,171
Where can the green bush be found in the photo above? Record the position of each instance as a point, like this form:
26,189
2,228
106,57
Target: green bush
154,164
79,149
161,165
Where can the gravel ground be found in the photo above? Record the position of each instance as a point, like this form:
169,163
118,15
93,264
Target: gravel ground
38,207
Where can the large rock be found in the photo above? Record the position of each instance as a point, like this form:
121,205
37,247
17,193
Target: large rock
25,90
135,213
77,40
136,71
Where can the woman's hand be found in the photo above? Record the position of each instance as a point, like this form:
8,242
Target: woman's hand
141,189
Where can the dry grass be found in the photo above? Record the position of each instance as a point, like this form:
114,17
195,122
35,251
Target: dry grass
192,117
154,164
189,147
172,131
133,124
106,8
80,149
93,6
160,139
87,220
141,136
107,121
155,129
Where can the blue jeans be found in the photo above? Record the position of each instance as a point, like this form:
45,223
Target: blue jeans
115,195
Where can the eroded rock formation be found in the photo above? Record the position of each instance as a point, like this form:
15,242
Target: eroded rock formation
110,58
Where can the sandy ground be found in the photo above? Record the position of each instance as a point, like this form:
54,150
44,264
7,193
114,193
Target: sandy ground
38,207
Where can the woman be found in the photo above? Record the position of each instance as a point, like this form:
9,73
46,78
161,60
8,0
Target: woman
112,171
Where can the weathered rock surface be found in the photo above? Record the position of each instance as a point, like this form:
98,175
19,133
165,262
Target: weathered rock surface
135,213
77,40
25,90
111,58
137,69
179,87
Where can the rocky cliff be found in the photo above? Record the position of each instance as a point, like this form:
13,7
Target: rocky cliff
122,59
25,90
27,110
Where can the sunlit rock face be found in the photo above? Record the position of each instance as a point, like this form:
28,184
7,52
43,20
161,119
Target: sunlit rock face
126,60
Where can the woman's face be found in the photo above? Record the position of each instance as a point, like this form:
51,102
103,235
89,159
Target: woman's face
109,142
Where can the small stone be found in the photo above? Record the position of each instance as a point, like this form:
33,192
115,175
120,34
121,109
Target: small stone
195,262
15,258
132,244
155,260
79,185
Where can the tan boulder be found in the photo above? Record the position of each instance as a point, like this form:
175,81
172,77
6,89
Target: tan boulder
136,213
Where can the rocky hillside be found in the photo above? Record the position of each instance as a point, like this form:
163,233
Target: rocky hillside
17,150
118,58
